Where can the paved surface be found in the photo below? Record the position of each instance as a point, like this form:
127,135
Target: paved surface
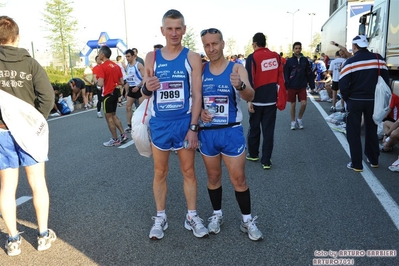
308,204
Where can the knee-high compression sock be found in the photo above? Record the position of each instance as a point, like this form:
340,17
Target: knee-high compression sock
244,201
216,198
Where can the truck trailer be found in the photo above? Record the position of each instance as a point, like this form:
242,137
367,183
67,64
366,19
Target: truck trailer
342,26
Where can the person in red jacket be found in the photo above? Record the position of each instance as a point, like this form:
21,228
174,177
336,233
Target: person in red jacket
265,72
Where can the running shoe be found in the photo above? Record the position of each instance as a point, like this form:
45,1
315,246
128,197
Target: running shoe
350,166
160,225
250,227
293,125
372,165
299,123
215,221
196,224
123,138
13,248
266,166
112,143
99,115
253,159
44,242
128,130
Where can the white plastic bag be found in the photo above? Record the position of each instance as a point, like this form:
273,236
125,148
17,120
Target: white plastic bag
27,125
140,128
70,103
382,98
324,95
95,100
394,167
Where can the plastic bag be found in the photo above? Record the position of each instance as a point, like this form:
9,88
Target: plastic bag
394,167
63,106
324,95
70,103
382,98
26,124
140,128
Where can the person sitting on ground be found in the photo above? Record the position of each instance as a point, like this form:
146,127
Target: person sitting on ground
391,126
56,111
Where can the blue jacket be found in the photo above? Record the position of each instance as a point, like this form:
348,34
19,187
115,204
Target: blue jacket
359,75
298,73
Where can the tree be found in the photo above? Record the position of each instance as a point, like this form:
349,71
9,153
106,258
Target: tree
231,46
248,49
315,42
61,27
189,40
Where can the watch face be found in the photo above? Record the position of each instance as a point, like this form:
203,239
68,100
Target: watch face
194,127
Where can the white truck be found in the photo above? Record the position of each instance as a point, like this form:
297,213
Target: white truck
342,26
381,26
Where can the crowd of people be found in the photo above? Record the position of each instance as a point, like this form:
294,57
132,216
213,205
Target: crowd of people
196,107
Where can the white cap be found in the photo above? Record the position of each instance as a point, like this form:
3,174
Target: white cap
361,41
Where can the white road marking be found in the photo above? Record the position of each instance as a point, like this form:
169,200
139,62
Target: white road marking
387,202
22,200
127,144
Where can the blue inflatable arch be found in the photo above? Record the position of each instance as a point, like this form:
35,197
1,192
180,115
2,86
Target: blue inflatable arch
96,44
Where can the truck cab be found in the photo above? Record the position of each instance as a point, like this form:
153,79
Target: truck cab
382,25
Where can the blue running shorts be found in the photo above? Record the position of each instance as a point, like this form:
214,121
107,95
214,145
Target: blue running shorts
166,135
229,141
11,155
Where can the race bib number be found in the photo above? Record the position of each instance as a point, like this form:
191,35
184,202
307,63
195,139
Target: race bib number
221,116
170,96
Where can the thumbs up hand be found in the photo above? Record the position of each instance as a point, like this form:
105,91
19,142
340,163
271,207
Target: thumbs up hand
235,77
152,82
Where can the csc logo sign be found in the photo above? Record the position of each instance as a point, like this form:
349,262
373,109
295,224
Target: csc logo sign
269,64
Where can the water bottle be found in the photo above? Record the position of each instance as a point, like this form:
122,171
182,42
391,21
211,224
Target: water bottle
212,110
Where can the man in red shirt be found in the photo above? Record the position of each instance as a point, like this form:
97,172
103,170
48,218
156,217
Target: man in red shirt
109,77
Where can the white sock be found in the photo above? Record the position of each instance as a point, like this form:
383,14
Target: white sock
161,214
246,217
191,213
218,212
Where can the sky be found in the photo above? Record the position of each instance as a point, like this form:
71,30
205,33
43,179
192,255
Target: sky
237,19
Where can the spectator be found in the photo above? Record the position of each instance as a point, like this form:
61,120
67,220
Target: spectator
78,88
36,91
334,70
357,84
391,126
297,75
263,109
96,68
139,59
158,46
89,82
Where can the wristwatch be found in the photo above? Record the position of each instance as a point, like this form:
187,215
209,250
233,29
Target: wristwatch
242,87
194,127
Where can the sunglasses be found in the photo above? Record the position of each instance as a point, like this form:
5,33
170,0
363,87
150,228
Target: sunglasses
210,30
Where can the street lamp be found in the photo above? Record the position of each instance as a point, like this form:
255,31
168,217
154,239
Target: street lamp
292,30
311,27
124,11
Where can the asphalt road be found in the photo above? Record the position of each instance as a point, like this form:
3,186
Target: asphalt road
309,204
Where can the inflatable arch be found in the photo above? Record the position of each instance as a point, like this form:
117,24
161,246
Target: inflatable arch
102,40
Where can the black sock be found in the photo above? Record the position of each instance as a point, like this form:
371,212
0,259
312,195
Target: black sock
216,198
244,201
